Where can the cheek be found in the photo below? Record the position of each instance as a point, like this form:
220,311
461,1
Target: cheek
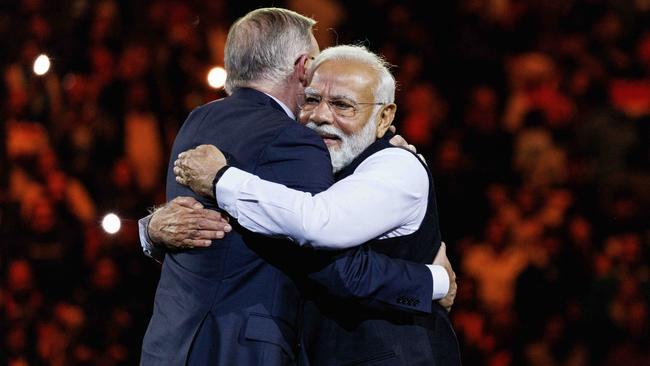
349,127
303,117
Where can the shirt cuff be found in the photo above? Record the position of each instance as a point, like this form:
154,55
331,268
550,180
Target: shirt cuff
228,188
440,281
148,247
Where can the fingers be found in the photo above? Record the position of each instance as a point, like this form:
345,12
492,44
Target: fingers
202,218
214,216
195,243
206,147
448,301
441,255
188,202
183,223
189,166
205,235
453,289
201,234
210,224
181,162
188,154
180,175
423,159
392,128
398,140
197,238
446,304
181,181
441,259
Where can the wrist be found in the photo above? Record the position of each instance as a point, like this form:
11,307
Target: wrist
216,178
150,238
441,282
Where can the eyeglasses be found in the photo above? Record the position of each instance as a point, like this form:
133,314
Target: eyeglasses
342,107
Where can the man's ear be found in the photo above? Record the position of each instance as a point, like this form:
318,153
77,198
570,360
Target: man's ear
300,67
385,119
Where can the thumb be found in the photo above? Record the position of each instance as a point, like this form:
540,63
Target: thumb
188,202
442,252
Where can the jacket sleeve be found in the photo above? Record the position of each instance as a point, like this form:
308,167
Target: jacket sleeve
374,279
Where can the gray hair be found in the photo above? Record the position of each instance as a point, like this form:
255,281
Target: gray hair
263,45
385,92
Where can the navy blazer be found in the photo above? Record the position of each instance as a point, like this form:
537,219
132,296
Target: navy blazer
238,302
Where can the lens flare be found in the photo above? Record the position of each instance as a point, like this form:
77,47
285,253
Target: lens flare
41,65
217,77
111,223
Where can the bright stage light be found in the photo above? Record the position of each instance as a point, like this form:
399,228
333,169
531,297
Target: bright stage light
111,223
217,77
41,65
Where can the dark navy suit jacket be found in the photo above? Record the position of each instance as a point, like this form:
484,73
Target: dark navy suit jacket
238,302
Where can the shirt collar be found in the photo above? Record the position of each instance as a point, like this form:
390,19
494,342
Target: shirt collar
284,107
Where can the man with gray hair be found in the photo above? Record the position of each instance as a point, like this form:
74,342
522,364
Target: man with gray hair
240,302
384,198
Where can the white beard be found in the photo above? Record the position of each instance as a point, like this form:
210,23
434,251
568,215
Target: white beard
351,145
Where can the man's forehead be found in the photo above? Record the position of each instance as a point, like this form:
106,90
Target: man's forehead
342,78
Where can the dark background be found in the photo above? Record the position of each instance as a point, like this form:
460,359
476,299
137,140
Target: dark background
533,116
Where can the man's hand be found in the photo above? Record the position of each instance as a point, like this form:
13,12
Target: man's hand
197,167
442,260
184,223
399,141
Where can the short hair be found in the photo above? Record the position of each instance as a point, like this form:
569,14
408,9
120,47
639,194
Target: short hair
385,92
263,46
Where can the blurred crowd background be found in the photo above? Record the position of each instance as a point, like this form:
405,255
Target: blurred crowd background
533,116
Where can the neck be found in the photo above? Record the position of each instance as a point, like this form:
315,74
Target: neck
284,93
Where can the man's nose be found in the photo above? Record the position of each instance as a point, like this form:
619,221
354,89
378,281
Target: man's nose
322,114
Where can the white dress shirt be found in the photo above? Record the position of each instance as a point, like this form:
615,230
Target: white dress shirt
387,196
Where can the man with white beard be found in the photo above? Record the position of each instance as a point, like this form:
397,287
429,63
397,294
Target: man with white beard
384,197
351,145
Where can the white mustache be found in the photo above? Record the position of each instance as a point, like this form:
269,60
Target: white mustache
327,129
